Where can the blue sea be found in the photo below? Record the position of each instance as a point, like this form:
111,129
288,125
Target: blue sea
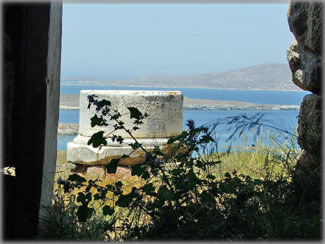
284,119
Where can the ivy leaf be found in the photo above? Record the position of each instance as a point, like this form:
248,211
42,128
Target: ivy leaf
107,210
96,121
134,113
104,102
112,166
76,178
97,139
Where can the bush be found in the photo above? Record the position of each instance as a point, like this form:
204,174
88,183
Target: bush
181,198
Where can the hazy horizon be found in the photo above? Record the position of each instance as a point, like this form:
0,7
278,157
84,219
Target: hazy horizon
121,41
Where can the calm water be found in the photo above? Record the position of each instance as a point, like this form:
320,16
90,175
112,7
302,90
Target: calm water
263,97
284,119
280,118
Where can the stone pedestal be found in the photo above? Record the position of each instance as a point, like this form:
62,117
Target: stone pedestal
165,119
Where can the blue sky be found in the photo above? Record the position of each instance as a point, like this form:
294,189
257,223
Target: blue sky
119,41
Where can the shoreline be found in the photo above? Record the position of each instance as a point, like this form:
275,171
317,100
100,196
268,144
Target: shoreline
71,102
174,87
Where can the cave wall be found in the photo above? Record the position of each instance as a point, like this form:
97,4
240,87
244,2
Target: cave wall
30,85
305,60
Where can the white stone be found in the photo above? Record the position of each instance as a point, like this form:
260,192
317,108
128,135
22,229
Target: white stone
165,110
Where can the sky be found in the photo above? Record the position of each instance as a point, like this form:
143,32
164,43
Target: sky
120,41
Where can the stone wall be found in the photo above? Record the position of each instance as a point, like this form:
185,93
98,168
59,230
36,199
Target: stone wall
305,61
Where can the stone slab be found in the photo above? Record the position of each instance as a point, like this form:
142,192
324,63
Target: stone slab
165,110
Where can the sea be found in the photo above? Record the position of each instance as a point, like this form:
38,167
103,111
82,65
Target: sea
276,122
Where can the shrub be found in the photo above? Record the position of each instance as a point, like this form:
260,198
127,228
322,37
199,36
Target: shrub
180,198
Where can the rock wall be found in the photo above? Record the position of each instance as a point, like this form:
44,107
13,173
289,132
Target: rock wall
305,60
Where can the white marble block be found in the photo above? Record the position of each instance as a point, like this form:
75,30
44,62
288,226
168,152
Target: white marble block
165,119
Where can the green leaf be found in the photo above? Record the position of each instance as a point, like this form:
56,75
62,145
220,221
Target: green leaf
81,197
172,140
119,184
77,178
104,102
89,196
157,151
135,145
84,213
210,176
96,121
206,139
124,200
66,188
192,178
137,170
199,164
148,189
145,175
107,210
164,193
97,196
112,166
97,139
134,113
177,172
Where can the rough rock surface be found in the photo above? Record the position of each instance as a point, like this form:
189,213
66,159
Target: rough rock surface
309,123
305,22
305,61
305,55
293,58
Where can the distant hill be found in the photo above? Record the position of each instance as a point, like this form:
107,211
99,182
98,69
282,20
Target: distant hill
268,76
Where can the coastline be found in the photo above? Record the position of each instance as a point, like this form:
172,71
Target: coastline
90,83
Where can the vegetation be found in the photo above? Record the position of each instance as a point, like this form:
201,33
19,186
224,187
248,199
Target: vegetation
192,191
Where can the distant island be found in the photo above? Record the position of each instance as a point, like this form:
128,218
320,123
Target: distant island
268,76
